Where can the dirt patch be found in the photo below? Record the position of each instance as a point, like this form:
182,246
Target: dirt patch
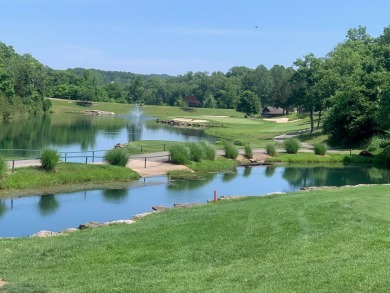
154,168
258,158
2,283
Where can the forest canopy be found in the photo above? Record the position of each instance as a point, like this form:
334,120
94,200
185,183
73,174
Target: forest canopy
351,85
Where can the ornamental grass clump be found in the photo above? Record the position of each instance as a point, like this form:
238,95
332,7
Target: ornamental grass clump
248,152
208,150
196,151
180,154
291,145
3,167
320,149
49,159
231,152
116,157
271,149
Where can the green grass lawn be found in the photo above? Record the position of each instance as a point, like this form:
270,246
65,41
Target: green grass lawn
64,174
65,106
318,241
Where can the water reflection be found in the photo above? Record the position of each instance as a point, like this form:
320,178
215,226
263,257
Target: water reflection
3,208
47,204
115,195
60,211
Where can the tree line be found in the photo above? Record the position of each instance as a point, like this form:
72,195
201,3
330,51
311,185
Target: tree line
350,84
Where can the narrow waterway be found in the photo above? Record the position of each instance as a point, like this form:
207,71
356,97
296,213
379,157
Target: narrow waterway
28,215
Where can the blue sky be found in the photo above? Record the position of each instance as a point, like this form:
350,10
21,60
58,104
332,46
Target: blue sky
174,37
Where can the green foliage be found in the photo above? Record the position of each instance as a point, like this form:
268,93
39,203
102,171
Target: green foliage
320,148
238,143
67,175
231,152
271,149
196,151
3,166
248,103
180,154
208,150
291,145
248,151
218,165
49,159
117,157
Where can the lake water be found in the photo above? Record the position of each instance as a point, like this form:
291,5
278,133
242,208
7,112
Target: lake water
28,215
82,133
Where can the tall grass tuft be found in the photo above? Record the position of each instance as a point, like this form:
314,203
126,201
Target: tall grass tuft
49,159
180,154
196,151
271,149
3,167
231,151
208,150
117,157
291,145
248,151
320,149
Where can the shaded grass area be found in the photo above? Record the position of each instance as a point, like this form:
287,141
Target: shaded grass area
330,241
312,158
148,146
66,173
65,106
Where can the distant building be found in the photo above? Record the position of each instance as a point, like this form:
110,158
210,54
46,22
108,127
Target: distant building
272,111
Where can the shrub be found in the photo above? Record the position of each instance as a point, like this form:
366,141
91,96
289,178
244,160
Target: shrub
196,151
49,159
271,149
291,145
3,166
117,157
180,154
320,148
231,151
248,151
208,150
238,143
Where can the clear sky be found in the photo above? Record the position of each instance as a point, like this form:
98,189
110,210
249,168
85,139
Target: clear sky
177,36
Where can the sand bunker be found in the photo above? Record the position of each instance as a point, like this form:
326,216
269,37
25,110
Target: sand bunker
189,120
280,120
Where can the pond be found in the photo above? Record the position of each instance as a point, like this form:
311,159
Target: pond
80,133
28,215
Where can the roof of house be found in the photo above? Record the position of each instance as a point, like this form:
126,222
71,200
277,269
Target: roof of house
273,110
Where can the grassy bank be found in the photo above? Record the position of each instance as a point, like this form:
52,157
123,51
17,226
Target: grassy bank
312,158
330,241
65,174
65,106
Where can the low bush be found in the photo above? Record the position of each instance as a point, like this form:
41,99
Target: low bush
291,145
231,151
49,159
271,149
248,151
3,167
320,148
180,154
208,150
238,143
196,151
117,157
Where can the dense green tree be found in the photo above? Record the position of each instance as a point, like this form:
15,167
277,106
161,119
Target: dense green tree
249,103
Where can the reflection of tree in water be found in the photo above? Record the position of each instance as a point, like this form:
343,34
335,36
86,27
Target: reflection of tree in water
134,130
189,184
247,171
3,208
115,195
37,132
47,204
335,176
229,176
270,171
